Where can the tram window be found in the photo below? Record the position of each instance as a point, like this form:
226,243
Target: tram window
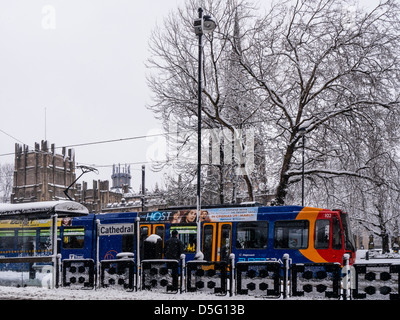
348,239
322,234
144,232
159,230
208,242
26,239
188,236
252,235
127,242
7,239
225,245
74,238
44,239
291,234
336,234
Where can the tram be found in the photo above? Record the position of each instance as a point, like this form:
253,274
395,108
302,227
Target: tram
252,233
258,233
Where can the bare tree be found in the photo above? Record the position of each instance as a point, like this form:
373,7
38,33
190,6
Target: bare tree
324,67
228,103
328,74
6,181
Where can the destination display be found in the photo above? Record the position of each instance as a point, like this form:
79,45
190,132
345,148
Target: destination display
116,229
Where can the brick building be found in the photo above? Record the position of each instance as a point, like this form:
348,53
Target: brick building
41,174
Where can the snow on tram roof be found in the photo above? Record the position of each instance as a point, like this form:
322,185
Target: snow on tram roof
62,208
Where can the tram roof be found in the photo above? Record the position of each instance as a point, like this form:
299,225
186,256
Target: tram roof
44,209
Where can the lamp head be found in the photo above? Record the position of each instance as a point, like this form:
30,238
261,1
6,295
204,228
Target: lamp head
206,24
209,24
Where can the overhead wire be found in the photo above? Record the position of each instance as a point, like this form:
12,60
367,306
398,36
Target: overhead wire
91,143
111,140
7,134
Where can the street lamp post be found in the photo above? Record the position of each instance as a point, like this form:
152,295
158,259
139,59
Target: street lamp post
204,24
302,132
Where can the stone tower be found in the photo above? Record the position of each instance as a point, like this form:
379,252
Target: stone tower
41,174
121,179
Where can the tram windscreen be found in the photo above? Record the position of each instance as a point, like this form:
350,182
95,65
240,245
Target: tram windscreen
348,236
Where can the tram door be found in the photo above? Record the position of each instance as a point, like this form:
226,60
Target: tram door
217,240
148,229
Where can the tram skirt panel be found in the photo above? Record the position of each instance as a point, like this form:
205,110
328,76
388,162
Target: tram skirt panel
258,278
203,276
376,281
117,274
316,281
78,273
160,275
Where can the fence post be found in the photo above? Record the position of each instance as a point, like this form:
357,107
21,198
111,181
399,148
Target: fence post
182,259
138,268
232,273
345,275
54,248
285,274
58,270
97,278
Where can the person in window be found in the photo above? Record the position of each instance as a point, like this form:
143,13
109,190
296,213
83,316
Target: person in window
173,247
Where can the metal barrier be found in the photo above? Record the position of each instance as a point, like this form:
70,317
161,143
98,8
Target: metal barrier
258,278
160,275
78,273
376,281
261,278
318,280
117,273
205,276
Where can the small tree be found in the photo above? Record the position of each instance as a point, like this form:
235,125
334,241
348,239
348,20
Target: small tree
6,181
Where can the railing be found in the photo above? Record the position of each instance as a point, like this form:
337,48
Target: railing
259,278
118,274
267,279
376,281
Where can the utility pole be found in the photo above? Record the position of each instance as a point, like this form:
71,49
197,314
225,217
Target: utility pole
143,187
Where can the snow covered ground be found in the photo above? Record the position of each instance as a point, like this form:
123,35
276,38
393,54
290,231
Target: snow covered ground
40,293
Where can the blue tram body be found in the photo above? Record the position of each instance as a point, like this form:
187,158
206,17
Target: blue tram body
112,243
251,233
77,238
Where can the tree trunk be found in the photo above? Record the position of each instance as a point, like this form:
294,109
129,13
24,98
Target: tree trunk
281,190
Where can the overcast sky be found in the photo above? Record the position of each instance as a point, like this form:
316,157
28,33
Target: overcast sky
83,62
